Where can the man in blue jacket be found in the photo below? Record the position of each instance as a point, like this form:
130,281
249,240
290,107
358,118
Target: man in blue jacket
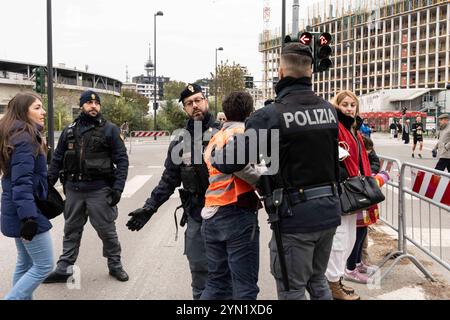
92,164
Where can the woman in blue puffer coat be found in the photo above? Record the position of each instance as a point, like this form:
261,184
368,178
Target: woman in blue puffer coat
24,176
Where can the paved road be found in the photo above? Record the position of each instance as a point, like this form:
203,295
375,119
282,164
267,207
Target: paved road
155,261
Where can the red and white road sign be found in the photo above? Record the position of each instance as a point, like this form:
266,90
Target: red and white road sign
149,133
432,186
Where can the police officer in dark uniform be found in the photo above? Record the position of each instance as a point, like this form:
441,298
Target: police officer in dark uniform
184,164
307,174
92,163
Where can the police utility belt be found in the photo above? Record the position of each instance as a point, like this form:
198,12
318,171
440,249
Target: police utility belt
74,177
305,194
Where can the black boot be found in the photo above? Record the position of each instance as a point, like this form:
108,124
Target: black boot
56,277
119,274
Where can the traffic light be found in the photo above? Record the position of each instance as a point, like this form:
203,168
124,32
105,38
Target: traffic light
161,90
305,38
322,52
248,82
39,74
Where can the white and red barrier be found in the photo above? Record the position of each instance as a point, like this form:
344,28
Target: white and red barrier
432,186
386,165
149,133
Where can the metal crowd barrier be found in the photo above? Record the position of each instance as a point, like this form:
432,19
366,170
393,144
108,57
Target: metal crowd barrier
418,211
146,134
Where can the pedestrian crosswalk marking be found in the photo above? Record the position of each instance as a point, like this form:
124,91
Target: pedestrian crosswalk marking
134,184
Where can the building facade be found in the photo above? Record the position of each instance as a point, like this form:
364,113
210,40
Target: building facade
377,45
16,77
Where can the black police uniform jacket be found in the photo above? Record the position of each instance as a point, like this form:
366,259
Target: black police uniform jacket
188,167
308,154
90,155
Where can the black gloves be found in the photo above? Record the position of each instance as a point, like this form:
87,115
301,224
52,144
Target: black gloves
139,218
28,229
115,197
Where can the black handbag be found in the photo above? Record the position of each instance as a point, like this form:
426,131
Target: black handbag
53,206
359,193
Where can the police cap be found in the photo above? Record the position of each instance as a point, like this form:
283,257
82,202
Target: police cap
87,96
297,48
189,91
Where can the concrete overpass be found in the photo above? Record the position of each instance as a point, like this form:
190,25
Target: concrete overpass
19,76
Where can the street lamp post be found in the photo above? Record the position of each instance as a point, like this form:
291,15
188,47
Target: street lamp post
215,84
51,124
155,103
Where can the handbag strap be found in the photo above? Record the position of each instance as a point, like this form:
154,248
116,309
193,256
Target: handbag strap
360,164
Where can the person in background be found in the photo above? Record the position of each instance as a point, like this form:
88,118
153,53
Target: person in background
393,129
417,130
221,118
23,166
125,129
399,130
442,148
365,129
405,133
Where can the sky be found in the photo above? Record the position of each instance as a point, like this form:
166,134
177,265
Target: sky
108,35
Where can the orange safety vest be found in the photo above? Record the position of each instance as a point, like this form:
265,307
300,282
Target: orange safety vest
223,188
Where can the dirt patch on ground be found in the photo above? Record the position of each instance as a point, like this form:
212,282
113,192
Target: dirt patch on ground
439,290
384,244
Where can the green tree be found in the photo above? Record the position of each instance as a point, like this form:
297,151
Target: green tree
131,106
230,78
62,113
174,117
172,89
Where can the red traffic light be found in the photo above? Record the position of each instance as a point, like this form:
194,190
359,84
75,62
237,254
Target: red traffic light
305,38
324,39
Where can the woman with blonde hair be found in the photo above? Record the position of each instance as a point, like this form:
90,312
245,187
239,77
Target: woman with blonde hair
354,164
24,176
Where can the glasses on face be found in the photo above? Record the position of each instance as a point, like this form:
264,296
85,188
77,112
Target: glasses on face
190,103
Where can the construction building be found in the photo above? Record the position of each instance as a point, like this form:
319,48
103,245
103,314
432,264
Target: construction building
377,45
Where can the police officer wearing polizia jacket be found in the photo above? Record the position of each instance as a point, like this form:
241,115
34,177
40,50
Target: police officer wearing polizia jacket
190,169
308,175
92,164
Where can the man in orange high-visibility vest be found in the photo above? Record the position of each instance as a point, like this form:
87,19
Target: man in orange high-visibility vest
230,226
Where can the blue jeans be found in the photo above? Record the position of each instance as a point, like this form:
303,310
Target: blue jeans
34,264
232,250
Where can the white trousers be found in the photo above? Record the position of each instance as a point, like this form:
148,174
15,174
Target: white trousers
343,243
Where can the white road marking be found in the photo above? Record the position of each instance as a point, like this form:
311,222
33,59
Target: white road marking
154,167
134,184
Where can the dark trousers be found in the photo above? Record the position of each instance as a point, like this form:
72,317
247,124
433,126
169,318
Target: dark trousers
355,256
232,249
306,256
443,164
79,206
194,249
